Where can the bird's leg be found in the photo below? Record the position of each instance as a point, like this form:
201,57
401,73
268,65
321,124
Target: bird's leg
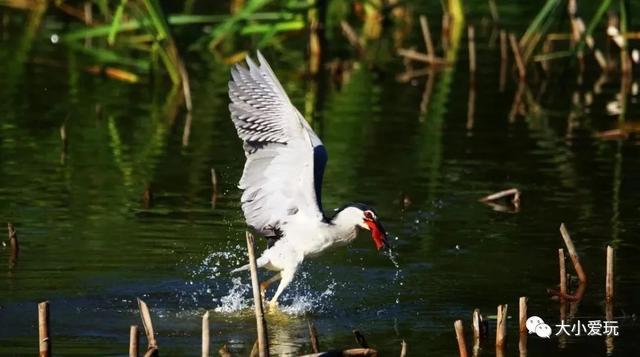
265,285
287,276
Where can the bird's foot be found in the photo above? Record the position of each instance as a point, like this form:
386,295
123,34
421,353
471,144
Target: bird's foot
272,306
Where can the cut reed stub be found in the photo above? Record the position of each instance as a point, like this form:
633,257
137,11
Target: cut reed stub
403,349
522,326
462,347
43,330
133,341
501,326
609,277
205,334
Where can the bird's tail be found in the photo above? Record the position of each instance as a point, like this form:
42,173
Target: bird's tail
260,262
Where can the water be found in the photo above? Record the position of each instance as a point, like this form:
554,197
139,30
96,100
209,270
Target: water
90,245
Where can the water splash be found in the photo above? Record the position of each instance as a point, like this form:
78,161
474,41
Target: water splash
306,301
236,299
398,278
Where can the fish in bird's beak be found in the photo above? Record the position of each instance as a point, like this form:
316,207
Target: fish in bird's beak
378,234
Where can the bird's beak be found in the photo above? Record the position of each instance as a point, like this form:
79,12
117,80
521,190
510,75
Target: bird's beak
378,234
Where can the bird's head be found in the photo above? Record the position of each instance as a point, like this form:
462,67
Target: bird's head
365,218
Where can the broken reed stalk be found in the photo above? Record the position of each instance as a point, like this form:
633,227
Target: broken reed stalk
573,254
426,35
205,334
506,193
421,57
133,341
313,337
462,347
522,325
43,329
501,326
609,277
352,352
261,323
360,340
152,344
403,349
522,70
472,49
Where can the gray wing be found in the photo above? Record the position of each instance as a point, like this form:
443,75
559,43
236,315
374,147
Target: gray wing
281,177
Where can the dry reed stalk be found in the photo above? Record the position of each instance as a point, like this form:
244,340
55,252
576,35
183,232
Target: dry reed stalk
609,277
261,323
152,344
522,328
563,274
426,36
313,337
522,315
15,246
462,347
573,254
504,52
522,70
352,352
43,329
501,327
205,334
472,49
471,104
352,37
505,193
477,333
133,341
421,57
403,349
186,130
214,187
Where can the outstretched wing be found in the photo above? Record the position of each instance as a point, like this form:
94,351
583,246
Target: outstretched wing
285,159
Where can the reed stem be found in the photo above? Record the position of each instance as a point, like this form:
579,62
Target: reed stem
133,341
43,329
261,323
573,254
462,347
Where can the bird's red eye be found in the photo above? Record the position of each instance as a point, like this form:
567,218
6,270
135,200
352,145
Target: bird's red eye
368,215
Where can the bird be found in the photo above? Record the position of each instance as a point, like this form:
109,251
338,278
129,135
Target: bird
282,179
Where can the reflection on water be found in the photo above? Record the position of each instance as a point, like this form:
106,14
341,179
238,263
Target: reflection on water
91,244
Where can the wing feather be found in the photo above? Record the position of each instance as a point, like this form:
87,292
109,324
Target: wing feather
281,176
